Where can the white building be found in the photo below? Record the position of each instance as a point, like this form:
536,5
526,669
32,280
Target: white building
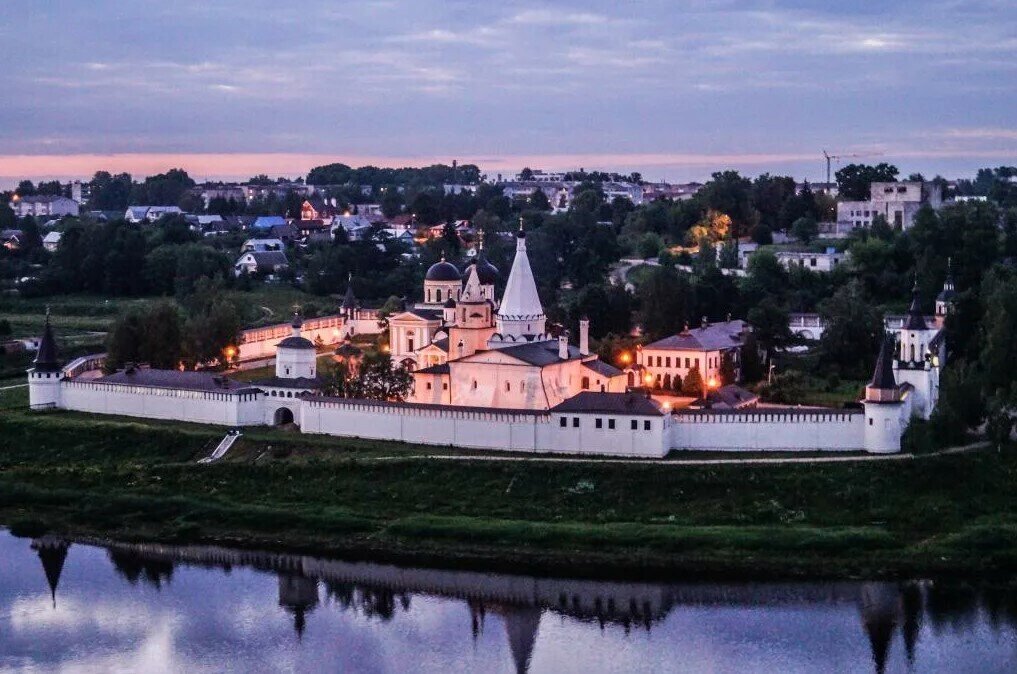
51,241
897,202
268,262
44,205
667,362
826,261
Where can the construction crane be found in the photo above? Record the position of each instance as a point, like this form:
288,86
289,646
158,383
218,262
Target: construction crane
844,156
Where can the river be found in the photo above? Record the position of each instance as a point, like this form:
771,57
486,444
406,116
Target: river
75,607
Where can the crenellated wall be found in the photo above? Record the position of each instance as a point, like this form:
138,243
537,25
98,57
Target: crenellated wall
761,429
203,407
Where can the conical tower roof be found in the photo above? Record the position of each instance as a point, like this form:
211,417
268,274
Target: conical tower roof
882,376
52,554
521,299
472,291
915,319
47,359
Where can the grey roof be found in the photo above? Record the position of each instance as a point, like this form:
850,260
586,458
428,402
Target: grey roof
42,198
632,404
602,368
428,314
714,337
538,353
882,376
175,379
424,406
441,344
349,299
295,342
295,382
47,359
435,369
729,396
269,258
347,349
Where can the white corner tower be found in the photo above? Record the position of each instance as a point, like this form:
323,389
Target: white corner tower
295,356
520,314
44,377
886,412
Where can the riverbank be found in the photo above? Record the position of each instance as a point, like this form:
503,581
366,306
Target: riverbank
135,480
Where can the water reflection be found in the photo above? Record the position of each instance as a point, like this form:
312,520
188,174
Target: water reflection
201,608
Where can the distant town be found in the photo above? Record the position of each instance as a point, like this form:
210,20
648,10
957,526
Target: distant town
578,312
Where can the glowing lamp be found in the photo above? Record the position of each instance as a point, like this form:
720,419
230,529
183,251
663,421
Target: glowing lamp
712,382
625,358
230,352
648,378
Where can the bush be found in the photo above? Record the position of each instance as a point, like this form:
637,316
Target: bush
27,527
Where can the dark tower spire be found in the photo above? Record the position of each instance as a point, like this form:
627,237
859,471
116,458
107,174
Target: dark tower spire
915,320
52,553
47,359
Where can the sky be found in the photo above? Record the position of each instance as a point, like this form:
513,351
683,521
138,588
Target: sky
674,89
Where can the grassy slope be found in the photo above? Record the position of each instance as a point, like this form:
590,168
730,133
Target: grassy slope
952,514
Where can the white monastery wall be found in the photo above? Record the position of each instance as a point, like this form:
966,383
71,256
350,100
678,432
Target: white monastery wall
229,409
261,342
762,430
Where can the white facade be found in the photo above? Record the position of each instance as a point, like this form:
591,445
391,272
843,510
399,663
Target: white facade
823,262
44,206
897,202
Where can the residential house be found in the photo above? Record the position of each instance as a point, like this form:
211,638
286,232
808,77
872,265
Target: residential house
262,245
261,264
51,241
268,221
44,205
12,239
318,208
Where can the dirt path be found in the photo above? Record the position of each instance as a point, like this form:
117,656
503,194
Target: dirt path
692,462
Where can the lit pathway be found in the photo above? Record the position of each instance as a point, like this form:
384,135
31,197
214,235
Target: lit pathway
8,388
689,462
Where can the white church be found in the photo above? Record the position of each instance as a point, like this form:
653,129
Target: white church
489,375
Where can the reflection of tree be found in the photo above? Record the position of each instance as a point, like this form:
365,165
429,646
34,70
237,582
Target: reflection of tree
912,603
372,602
951,605
52,553
134,567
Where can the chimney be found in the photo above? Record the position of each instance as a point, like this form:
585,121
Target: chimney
706,322
563,345
584,336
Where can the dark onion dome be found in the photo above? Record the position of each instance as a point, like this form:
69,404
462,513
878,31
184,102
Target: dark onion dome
486,272
295,342
443,271
450,303
47,359
297,320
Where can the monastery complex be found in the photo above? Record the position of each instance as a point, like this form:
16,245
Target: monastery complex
489,374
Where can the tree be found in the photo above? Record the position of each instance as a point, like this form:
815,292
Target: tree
729,258
769,323
649,245
999,350
538,201
854,179
727,370
665,300
853,332
692,385
526,174
108,192
805,229
729,193
211,330
375,379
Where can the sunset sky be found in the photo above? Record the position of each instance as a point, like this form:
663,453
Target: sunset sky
674,89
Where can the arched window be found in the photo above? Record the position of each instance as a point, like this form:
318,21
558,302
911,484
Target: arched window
912,353
437,295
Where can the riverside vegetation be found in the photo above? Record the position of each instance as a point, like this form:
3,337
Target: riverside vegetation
79,475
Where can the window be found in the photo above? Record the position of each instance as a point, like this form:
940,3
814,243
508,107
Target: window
598,423
812,262
428,386
697,363
870,422
437,295
646,425
634,425
667,361
575,422
586,383
444,386
508,387
610,424
563,422
474,387
688,363
409,345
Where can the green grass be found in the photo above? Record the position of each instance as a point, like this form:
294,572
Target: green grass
134,478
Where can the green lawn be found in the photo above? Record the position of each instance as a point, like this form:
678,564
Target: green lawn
133,478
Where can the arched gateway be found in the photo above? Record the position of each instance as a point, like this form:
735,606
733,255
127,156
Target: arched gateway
283,415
